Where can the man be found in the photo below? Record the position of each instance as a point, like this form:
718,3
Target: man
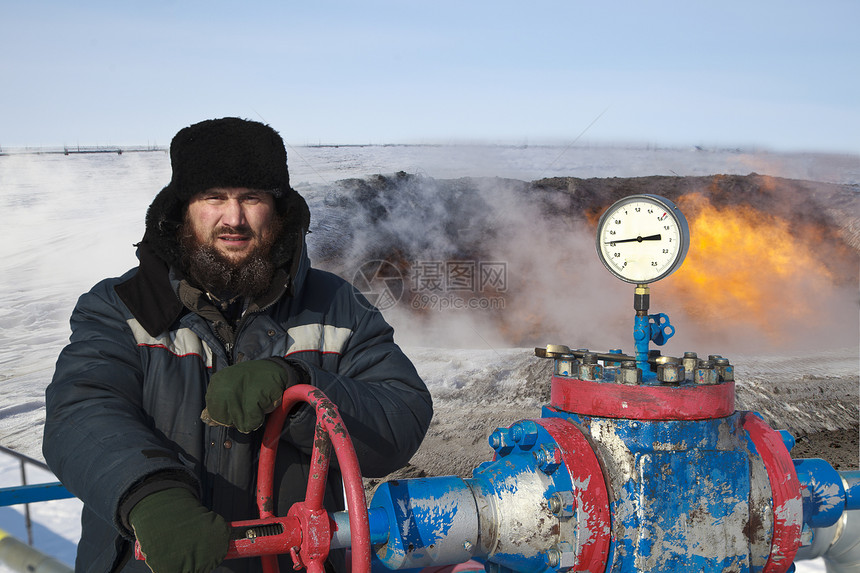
222,314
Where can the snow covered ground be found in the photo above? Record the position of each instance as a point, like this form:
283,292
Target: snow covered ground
72,220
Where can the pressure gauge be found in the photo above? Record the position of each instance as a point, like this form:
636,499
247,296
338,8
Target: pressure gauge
642,238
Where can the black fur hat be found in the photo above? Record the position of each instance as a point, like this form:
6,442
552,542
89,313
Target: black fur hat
226,152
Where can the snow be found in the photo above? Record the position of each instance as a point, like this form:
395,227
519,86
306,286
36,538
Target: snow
72,220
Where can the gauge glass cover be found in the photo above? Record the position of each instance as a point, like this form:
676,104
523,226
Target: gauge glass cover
642,238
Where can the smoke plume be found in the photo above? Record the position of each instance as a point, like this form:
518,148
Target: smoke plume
490,262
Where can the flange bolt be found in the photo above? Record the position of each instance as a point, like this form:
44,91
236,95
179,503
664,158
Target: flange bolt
705,373
629,374
670,370
500,440
524,433
548,458
590,369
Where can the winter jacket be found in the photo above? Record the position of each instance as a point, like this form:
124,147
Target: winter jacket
123,409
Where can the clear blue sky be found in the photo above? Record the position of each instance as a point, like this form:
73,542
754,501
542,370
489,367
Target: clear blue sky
772,74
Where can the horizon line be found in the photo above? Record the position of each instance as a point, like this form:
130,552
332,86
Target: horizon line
138,148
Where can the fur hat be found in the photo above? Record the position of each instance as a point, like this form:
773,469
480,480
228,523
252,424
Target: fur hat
226,152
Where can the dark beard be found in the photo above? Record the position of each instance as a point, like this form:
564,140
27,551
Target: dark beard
223,278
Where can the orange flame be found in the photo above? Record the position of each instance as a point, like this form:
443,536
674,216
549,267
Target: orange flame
747,266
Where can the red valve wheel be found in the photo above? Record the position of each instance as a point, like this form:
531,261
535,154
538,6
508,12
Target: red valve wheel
305,533
315,523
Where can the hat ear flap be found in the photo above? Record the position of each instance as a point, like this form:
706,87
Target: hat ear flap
163,219
295,211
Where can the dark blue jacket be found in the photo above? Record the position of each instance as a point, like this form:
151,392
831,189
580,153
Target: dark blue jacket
123,409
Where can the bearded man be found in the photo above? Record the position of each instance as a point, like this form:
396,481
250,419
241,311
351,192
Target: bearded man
155,408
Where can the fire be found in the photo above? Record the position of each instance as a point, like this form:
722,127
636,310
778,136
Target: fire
748,267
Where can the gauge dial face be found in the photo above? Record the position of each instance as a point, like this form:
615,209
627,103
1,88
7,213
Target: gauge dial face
642,238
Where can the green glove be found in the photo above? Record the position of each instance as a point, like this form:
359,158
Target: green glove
241,395
178,534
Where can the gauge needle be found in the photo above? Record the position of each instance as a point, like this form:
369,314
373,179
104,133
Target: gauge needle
639,239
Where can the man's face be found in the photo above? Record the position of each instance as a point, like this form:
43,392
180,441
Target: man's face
234,221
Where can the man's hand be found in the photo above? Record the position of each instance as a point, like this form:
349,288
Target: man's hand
241,395
178,534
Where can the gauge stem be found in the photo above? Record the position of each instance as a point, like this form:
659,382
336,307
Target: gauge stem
641,328
642,299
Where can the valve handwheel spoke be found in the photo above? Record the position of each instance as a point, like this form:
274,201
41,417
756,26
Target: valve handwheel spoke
330,433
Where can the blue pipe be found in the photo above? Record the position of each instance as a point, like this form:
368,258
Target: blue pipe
825,502
379,532
851,481
642,341
431,521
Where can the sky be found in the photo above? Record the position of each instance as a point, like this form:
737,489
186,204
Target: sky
780,75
